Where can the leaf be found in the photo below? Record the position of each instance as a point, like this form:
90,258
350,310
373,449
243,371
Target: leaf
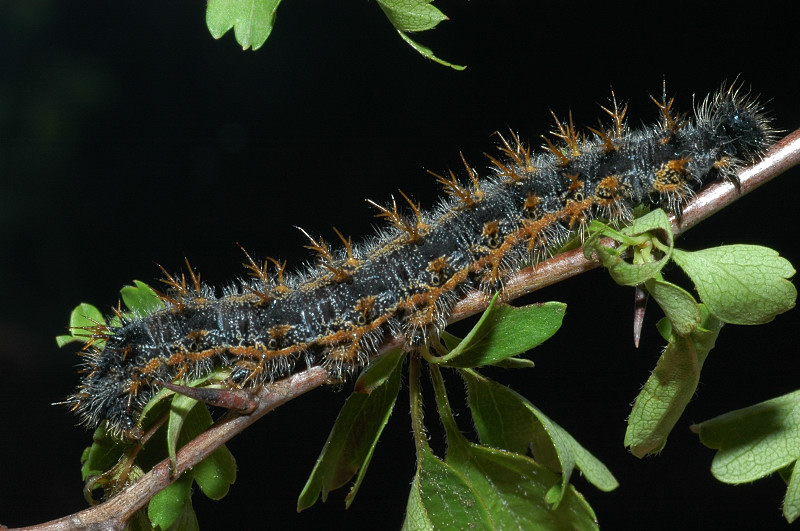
504,331
669,388
640,236
678,305
141,298
756,441
180,409
513,488
83,316
172,507
252,20
415,15
378,372
505,419
441,498
411,15
740,284
353,439
216,473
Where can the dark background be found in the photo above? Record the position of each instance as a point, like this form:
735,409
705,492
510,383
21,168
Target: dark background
129,136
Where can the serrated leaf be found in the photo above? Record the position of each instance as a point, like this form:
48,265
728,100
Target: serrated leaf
140,298
503,332
756,441
441,498
172,507
82,316
411,15
352,440
251,20
669,389
516,490
505,419
740,284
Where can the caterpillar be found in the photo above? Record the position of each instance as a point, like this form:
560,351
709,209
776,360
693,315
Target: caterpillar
404,281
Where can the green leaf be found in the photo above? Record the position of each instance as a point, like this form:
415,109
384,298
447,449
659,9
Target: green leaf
415,15
642,237
441,498
411,15
141,298
252,20
740,284
505,331
83,316
179,411
353,439
678,305
172,507
669,388
378,372
103,454
755,442
516,490
216,473
505,419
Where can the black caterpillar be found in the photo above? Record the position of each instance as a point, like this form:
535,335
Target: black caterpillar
404,281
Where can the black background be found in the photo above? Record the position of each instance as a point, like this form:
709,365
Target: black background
129,136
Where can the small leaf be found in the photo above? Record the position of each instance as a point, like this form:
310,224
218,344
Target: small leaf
83,316
352,440
378,372
640,236
756,441
411,15
216,473
669,389
505,331
141,299
252,20
172,507
678,305
740,284
103,454
179,411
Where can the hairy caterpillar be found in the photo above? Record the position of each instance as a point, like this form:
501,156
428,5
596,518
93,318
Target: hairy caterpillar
405,280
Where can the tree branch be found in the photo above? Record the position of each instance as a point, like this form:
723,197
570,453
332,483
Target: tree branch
113,513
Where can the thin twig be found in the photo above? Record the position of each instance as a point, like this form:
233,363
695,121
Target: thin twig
112,514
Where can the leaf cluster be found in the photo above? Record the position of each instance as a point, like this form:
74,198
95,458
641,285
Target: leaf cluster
252,21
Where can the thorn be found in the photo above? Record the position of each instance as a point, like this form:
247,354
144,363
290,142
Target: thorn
237,400
640,297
